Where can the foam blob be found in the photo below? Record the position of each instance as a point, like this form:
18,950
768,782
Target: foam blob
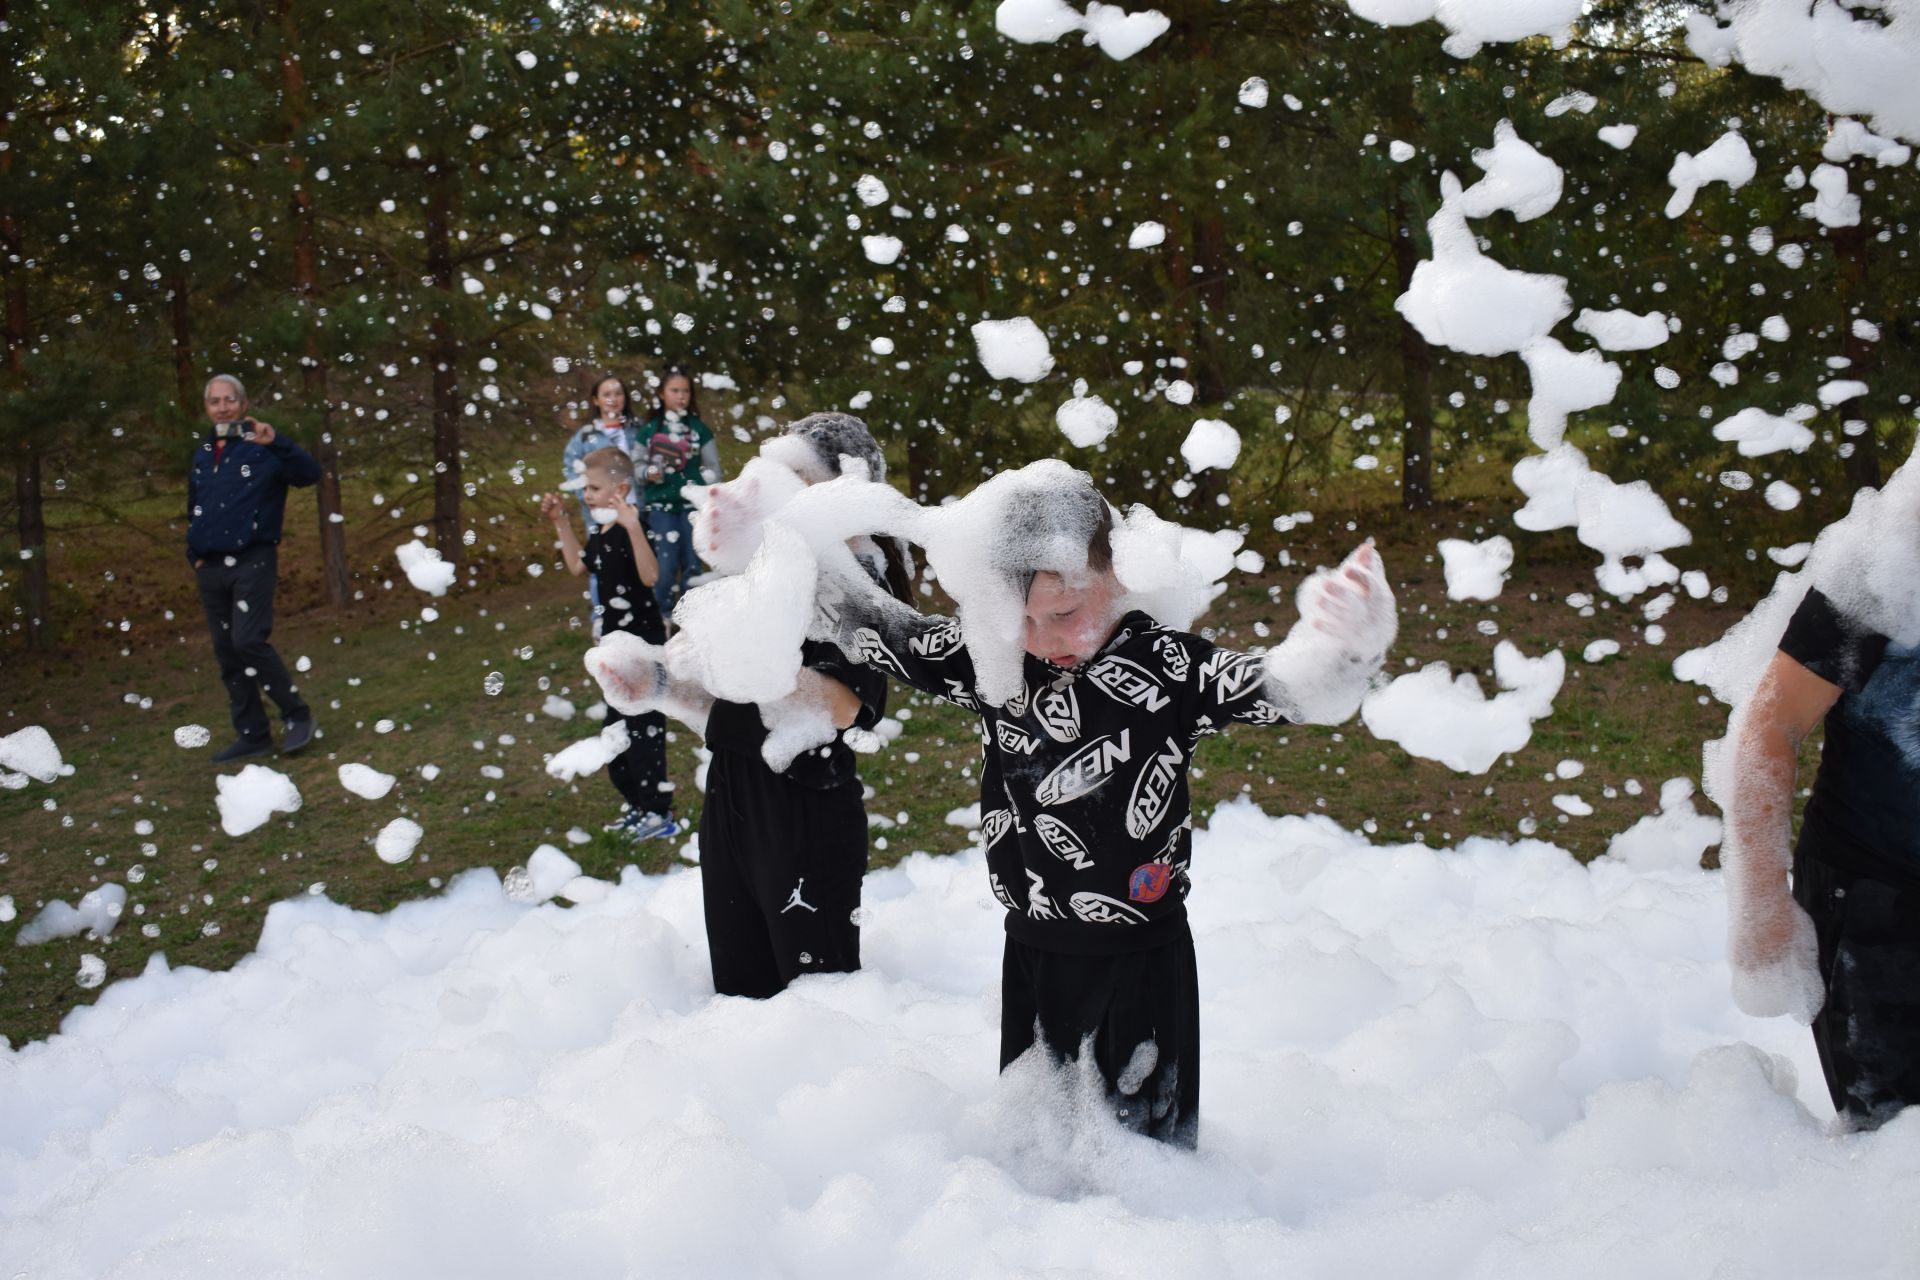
424,568
1014,349
249,799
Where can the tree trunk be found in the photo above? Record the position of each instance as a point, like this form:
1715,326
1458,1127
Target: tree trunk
306,284
187,390
27,493
1862,461
1416,379
443,349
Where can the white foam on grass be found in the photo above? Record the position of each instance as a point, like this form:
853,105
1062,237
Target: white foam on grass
248,800
397,840
99,911
365,781
1487,1060
31,751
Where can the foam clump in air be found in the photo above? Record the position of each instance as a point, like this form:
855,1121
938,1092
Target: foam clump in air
1171,572
1622,330
1119,34
1728,160
1833,205
1086,420
424,567
249,799
1147,235
1623,522
365,781
397,840
1618,136
589,754
1551,481
1015,349
1473,23
1757,433
1211,443
31,751
1437,715
1850,62
1564,382
1518,178
1464,300
1671,840
99,911
1476,570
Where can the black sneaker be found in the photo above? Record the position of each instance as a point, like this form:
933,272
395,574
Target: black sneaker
299,733
241,748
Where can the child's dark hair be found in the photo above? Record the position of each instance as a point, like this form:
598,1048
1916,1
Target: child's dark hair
1042,526
626,396
693,391
616,464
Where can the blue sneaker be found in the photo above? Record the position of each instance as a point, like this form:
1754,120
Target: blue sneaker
650,826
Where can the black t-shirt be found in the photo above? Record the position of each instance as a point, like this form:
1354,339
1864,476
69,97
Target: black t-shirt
626,603
1867,793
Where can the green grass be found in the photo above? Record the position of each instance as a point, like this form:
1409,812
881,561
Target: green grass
200,896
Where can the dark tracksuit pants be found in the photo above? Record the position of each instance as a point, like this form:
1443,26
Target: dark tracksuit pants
1137,1013
639,773
238,600
1868,926
780,871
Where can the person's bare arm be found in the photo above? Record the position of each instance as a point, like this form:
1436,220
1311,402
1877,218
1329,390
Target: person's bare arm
1770,941
628,517
554,508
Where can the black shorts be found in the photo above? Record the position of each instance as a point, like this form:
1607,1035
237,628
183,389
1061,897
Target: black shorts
1137,1013
1868,1031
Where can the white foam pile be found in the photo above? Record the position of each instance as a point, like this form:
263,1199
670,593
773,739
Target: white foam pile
1488,1061
424,567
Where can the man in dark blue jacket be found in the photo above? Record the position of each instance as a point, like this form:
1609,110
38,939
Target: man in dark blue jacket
236,495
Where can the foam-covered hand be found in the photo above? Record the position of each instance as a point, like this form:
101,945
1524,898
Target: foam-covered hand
1774,955
631,673
1353,605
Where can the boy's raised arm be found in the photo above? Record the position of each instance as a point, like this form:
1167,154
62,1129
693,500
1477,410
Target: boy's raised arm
1322,670
870,626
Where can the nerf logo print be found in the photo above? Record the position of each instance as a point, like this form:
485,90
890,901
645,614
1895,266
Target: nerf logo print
996,824
868,648
1062,842
1098,908
1014,740
1232,675
1039,905
1173,656
959,695
1085,769
1128,682
936,643
1058,712
1153,789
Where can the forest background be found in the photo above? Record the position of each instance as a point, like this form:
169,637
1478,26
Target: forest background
418,231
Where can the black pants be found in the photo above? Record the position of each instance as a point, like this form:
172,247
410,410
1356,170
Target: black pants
639,773
780,872
1868,1032
1137,1013
238,599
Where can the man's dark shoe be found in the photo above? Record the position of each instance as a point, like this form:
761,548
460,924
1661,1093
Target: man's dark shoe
299,733
241,748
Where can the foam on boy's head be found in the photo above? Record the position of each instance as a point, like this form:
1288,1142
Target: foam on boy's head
833,436
1064,527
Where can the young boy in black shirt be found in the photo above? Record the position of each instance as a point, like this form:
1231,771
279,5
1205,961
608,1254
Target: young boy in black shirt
1083,790
619,556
